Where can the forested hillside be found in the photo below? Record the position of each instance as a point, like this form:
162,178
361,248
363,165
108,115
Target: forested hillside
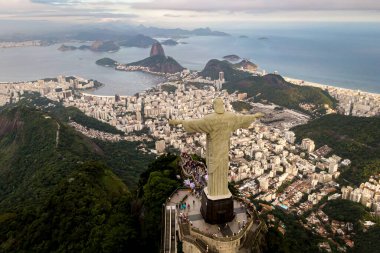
60,191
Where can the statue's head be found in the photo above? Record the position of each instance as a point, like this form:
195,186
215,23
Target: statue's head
219,105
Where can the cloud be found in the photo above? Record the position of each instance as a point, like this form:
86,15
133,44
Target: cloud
63,10
258,5
94,2
172,15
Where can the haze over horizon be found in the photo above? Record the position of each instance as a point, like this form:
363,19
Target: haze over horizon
183,13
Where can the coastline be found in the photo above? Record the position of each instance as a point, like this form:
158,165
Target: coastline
328,87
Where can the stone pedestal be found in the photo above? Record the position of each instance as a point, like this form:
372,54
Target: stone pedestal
217,210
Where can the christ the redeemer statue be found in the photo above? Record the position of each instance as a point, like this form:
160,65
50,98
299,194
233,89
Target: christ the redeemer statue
218,126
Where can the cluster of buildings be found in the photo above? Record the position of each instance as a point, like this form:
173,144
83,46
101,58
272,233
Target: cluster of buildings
350,102
29,43
56,88
265,161
356,103
319,221
368,194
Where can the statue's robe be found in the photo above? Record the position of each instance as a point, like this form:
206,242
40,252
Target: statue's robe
218,128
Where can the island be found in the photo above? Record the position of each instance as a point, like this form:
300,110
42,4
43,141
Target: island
170,42
105,46
97,46
64,48
232,57
106,62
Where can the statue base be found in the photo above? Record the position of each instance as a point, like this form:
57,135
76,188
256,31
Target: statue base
217,210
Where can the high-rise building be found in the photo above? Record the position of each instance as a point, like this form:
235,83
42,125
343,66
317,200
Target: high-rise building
346,192
160,146
290,136
308,145
221,77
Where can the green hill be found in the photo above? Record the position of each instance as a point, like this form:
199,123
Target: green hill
33,159
348,211
213,67
88,211
58,195
159,63
275,89
350,137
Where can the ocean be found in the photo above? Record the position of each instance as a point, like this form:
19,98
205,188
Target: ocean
341,54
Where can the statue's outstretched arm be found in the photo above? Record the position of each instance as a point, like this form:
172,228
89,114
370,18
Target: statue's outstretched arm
194,125
244,121
174,122
257,115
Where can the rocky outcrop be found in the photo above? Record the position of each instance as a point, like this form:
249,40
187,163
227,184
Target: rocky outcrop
157,49
246,65
104,46
158,62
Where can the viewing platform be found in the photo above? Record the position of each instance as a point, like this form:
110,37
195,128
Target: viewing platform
243,234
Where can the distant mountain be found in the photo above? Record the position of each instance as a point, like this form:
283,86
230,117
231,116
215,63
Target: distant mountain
104,46
213,67
275,89
118,32
64,48
176,32
158,62
169,42
208,32
97,46
138,41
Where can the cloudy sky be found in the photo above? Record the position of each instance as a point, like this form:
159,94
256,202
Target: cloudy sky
190,13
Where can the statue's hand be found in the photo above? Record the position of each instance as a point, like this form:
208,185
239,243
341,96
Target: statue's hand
259,115
175,122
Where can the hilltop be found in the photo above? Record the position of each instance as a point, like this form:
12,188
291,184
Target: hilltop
355,138
158,62
246,65
273,88
269,88
157,49
213,67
